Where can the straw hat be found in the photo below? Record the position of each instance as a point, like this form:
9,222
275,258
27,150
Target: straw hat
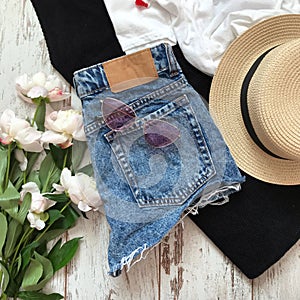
255,100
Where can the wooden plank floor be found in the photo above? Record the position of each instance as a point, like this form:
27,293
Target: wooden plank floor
186,265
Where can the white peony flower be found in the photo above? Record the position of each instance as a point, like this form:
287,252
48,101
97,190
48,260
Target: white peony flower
37,91
35,221
63,126
13,129
39,78
39,203
24,82
21,158
40,85
81,189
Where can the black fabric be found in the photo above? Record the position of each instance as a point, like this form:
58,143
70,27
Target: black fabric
261,222
78,34
256,227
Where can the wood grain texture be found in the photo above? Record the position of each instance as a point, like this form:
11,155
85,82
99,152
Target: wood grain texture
192,266
185,266
282,280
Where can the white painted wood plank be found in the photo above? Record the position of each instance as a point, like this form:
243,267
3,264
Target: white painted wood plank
282,280
22,50
193,268
87,274
185,266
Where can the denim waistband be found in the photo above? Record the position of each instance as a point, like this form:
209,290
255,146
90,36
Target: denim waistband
163,58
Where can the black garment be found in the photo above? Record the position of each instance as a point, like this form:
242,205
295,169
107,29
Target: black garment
78,34
261,222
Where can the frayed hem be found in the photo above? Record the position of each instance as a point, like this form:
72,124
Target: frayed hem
127,260
209,198
216,197
224,192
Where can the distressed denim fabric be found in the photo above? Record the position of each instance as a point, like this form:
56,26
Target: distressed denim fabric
147,190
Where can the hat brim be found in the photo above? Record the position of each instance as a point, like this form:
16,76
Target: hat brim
225,107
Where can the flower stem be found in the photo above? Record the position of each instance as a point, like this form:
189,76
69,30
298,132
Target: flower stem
50,224
7,167
25,235
24,177
35,113
68,154
65,158
1,282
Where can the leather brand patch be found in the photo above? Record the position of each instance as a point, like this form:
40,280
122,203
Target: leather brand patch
130,70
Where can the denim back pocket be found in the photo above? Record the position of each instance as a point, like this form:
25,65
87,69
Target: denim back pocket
168,175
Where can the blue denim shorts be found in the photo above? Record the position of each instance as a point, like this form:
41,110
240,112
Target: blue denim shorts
146,190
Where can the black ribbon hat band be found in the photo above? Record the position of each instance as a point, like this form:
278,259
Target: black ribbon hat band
244,105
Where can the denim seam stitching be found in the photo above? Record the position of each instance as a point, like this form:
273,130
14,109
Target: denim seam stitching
171,87
195,184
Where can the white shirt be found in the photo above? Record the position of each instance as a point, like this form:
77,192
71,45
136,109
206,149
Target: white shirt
138,28
203,28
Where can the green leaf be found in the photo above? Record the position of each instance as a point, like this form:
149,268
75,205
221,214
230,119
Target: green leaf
32,275
47,273
3,166
12,288
55,249
15,171
38,273
3,226
39,296
27,252
88,170
40,114
62,256
34,177
69,220
13,212
10,197
4,277
49,173
32,158
47,265
57,197
18,183
59,155
52,234
24,208
54,215
13,233
78,151
10,202
19,261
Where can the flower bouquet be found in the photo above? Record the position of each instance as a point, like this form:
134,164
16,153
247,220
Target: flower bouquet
44,188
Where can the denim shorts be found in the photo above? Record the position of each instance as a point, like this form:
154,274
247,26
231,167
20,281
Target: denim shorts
146,190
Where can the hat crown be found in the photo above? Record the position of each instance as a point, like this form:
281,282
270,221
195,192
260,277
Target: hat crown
273,100
262,131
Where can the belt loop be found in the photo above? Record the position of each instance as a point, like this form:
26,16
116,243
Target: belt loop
173,64
103,76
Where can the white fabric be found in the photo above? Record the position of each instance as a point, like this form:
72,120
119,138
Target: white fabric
139,28
203,28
